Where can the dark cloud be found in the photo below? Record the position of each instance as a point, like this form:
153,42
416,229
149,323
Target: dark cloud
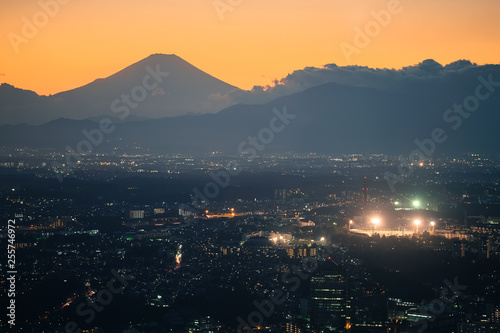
422,76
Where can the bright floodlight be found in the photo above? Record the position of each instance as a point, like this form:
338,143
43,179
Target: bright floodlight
416,203
417,222
375,221
433,223
322,239
396,203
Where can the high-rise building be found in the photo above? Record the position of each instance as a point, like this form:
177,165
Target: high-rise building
367,304
365,194
280,195
136,214
327,306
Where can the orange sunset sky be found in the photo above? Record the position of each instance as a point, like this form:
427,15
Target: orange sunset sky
256,42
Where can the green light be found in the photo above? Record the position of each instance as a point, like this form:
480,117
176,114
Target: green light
416,203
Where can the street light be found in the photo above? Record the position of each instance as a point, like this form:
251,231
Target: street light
433,224
375,221
417,222
349,226
416,204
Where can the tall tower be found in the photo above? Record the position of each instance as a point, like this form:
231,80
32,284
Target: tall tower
328,301
365,193
488,248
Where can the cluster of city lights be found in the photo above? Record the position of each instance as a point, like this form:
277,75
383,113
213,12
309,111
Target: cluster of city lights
418,222
415,203
375,221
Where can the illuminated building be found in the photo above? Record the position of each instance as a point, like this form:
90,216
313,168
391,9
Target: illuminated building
301,252
159,211
187,211
178,257
292,328
367,304
136,214
280,195
327,306
307,224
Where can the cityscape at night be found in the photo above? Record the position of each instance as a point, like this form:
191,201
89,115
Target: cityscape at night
292,243
232,166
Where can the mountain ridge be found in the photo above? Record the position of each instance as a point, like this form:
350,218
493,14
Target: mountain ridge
331,118
188,89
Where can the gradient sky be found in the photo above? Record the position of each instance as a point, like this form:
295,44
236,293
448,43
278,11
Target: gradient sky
257,42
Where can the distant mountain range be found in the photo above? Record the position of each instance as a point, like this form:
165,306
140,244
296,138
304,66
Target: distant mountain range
186,90
366,114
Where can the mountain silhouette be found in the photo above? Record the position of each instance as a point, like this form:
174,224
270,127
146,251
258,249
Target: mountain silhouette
186,90
330,118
